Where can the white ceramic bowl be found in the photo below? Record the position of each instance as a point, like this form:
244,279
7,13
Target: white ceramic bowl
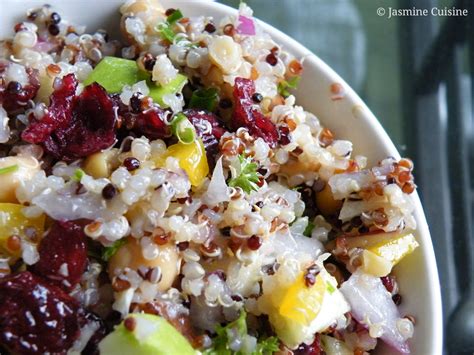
349,118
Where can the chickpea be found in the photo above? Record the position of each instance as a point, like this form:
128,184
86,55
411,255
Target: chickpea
130,255
101,164
27,167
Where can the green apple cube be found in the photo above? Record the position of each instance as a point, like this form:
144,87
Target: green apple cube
114,73
151,335
173,87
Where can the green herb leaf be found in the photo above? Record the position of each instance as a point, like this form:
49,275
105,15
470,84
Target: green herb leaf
205,99
108,252
285,85
267,346
183,129
220,343
165,28
309,228
330,287
174,17
9,169
78,174
248,177
166,32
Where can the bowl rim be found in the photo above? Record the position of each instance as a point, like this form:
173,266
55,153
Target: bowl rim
297,49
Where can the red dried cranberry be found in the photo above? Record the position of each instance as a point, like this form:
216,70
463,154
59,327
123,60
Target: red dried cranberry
208,128
15,99
313,349
35,317
247,114
63,254
75,126
150,124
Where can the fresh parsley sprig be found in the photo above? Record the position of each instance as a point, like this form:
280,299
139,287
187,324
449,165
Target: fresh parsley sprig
247,176
221,342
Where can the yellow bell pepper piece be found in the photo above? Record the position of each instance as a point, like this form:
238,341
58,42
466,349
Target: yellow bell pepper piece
301,303
192,159
395,249
13,222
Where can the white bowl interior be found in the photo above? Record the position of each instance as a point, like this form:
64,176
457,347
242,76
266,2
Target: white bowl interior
349,118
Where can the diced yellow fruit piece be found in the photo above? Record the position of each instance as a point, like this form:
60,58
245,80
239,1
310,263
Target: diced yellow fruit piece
326,203
301,303
375,265
13,222
192,159
396,248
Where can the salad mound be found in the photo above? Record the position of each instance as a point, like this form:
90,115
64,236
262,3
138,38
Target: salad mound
165,194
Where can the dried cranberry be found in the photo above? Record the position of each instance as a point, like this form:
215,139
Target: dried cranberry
63,254
75,126
313,349
35,317
150,123
14,98
208,128
247,114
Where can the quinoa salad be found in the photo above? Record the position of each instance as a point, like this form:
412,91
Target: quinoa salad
161,192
